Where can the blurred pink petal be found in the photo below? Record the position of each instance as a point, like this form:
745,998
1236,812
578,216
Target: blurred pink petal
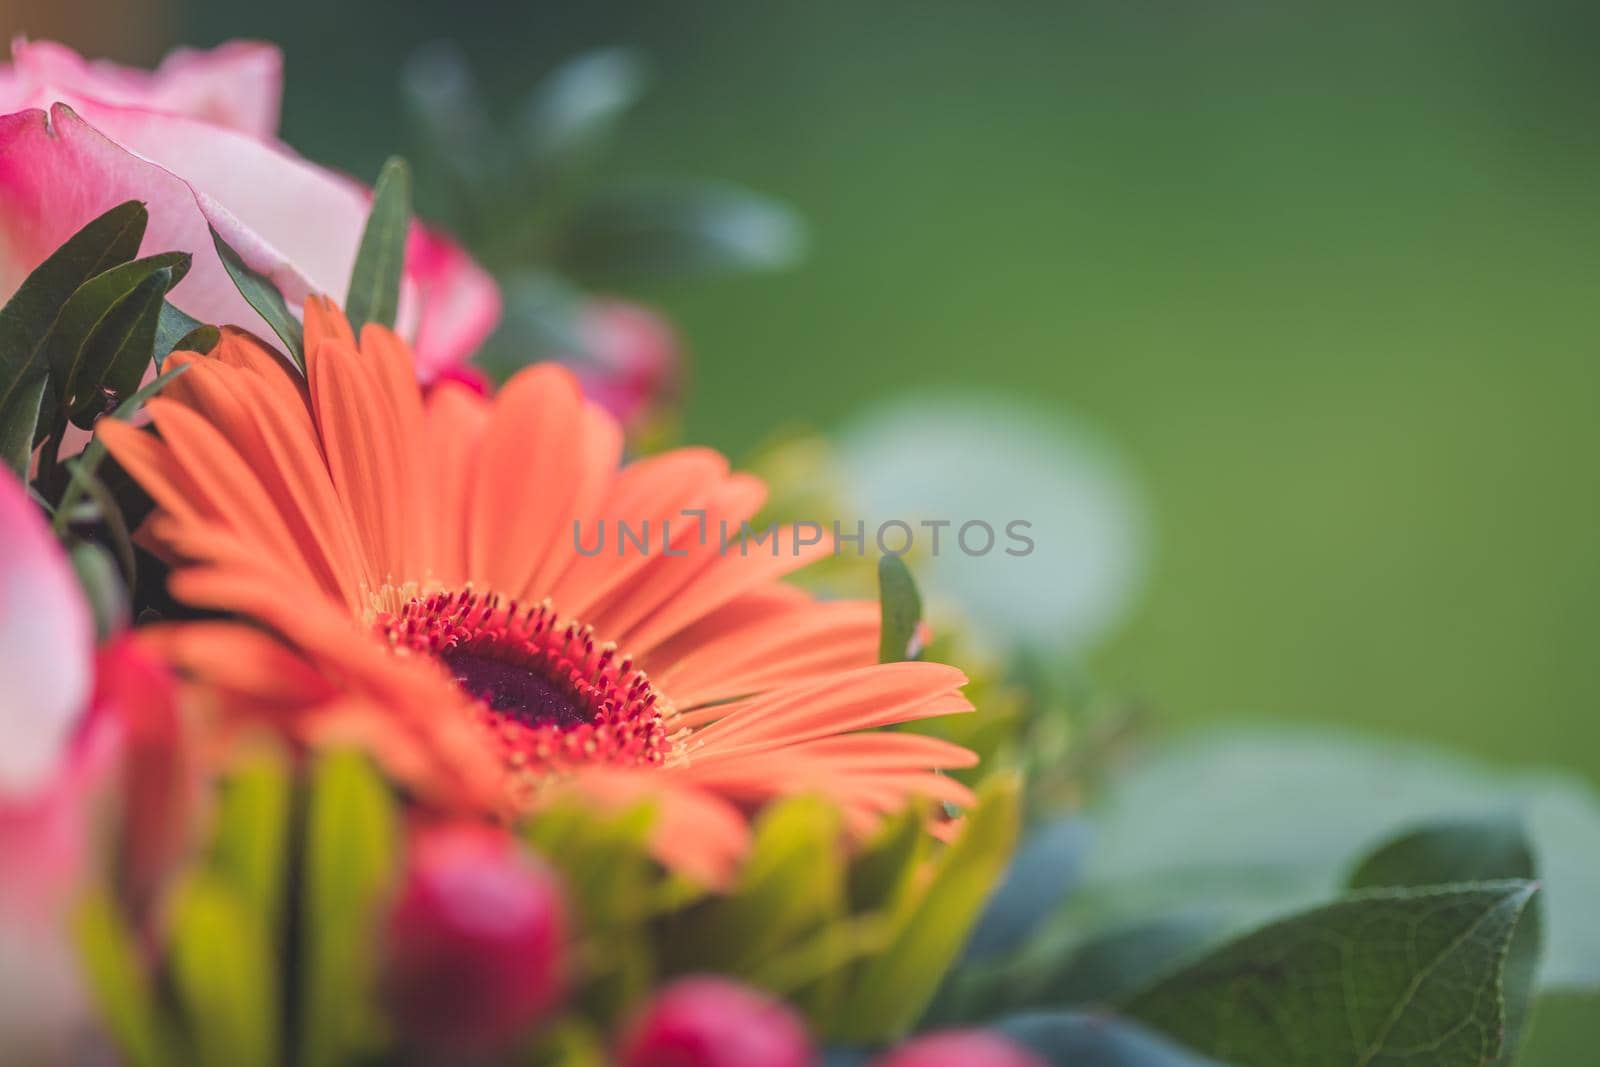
87,137
46,644
631,364
238,84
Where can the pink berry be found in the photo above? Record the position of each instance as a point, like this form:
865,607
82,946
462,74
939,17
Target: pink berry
714,1022
475,942
960,1048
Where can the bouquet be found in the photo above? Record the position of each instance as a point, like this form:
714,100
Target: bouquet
383,683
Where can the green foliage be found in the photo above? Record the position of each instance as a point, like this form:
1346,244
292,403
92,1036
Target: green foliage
1377,979
1468,851
262,294
349,864
121,990
929,922
224,973
102,586
29,318
374,294
901,607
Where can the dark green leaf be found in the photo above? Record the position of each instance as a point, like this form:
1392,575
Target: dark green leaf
1252,825
108,512
900,607
1470,851
107,362
380,262
575,106
179,332
678,231
1373,980
88,462
261,294
445,103
26,320
1066,1039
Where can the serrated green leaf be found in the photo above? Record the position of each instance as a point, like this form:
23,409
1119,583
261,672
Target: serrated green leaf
1468,851
84,470
1372,980
27,319
122,994
350,863
225,976
900,607
678,230
260,293
932,921
374,294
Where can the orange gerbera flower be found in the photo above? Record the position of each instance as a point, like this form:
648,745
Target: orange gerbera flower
417,563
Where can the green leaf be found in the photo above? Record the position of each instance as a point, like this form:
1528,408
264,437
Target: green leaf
103,587
1470,851
260,293
122,993
225,975
578,104
1377,979
251,843
901,610
931,922
105,334
1067,1039
889,861
177,331
1252,825
350,863
380,262
679,230
85,469
27,319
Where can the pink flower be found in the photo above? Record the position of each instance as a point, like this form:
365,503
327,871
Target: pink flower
74,725
631,364
960,1048
476,951
196,141
715,1022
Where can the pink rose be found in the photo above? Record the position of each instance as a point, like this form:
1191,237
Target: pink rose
196,141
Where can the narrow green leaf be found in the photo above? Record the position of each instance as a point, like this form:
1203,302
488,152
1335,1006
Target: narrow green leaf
577,105
350,863
1471,850
375,282
1371,979
85,469
112,358
932,921
889,861
901,608
102,586
27,319
252,835
260,293
122,994
225,975
19,422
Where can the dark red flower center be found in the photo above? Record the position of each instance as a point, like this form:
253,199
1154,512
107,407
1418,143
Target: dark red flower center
548,693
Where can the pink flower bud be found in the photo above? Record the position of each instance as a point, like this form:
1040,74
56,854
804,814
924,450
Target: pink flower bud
475,942
960,1048
715,1022
632,363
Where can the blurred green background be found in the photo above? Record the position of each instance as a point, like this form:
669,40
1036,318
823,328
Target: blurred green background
1326,273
